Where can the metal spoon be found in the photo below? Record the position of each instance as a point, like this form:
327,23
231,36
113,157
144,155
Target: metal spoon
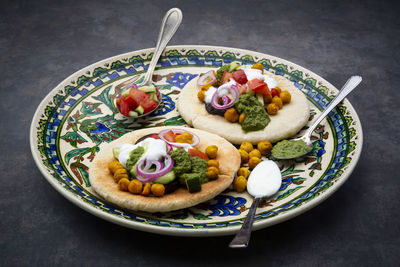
169,25
346,89
264,181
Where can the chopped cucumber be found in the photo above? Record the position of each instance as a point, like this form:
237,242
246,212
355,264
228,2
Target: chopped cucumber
148,89
133,114
166,178
233,66
139,110
116,152
153,96
193,184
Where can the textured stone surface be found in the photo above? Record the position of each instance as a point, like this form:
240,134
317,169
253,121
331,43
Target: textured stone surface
42,42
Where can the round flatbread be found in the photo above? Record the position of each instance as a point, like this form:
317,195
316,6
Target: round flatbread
103,183
289,120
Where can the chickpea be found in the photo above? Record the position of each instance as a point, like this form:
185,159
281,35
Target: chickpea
183,139
246,146
201,95
187,135
244,156
211,152
255,153
146,189
135,186
253,162
277,101
213,163
123,184
286,97
239,184
212,173
267,98
241,118
272,109
114,165
279,90
243,171
264,147
231,115
119,174
158,190
258,66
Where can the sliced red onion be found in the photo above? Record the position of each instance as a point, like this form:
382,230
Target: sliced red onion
169,147
148,177
207,79
149,163
132,85
196,139
235,93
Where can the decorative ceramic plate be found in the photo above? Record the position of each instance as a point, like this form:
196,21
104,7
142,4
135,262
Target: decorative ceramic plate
79,116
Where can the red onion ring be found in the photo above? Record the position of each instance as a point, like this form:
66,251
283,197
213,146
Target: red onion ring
207,79
214,100
148,177
196,139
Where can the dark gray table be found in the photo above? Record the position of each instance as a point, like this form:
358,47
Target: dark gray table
42,42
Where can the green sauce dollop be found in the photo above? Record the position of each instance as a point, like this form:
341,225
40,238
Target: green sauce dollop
256,116
288,149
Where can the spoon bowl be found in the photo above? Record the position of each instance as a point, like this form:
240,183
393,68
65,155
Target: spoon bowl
305,140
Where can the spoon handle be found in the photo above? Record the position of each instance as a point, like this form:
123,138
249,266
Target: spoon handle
346,89
169,25
242,238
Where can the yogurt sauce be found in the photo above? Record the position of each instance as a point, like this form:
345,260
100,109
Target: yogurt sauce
265,179
155,149
257,74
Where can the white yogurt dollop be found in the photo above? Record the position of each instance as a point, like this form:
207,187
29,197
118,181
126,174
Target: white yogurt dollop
265,179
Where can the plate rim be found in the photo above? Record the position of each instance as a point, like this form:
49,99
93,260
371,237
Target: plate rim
174,231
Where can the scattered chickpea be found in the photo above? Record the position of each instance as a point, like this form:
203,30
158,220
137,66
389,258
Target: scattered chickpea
258,66
211,152
239,184
244,156
246,146
146,189
255,153
158,190
135,186
114,165
231,115
253,162
267,98
212,173
264,147
277,101
119,174
123,184
243,171
201,95
285,96
241,118
213,163
272,109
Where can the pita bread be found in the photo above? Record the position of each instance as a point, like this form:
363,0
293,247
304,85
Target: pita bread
285,124
104,184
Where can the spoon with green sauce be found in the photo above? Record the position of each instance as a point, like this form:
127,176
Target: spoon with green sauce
290,149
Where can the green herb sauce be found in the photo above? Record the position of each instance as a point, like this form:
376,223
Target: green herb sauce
256,116
288,149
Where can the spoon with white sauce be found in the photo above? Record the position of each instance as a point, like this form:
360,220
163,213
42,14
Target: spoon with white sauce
290,149
264,181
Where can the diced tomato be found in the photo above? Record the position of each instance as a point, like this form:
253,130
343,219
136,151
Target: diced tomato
226,77
132,103
170,136
258,86
197,153
242,89
124,107
240,76
274,92
143,99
